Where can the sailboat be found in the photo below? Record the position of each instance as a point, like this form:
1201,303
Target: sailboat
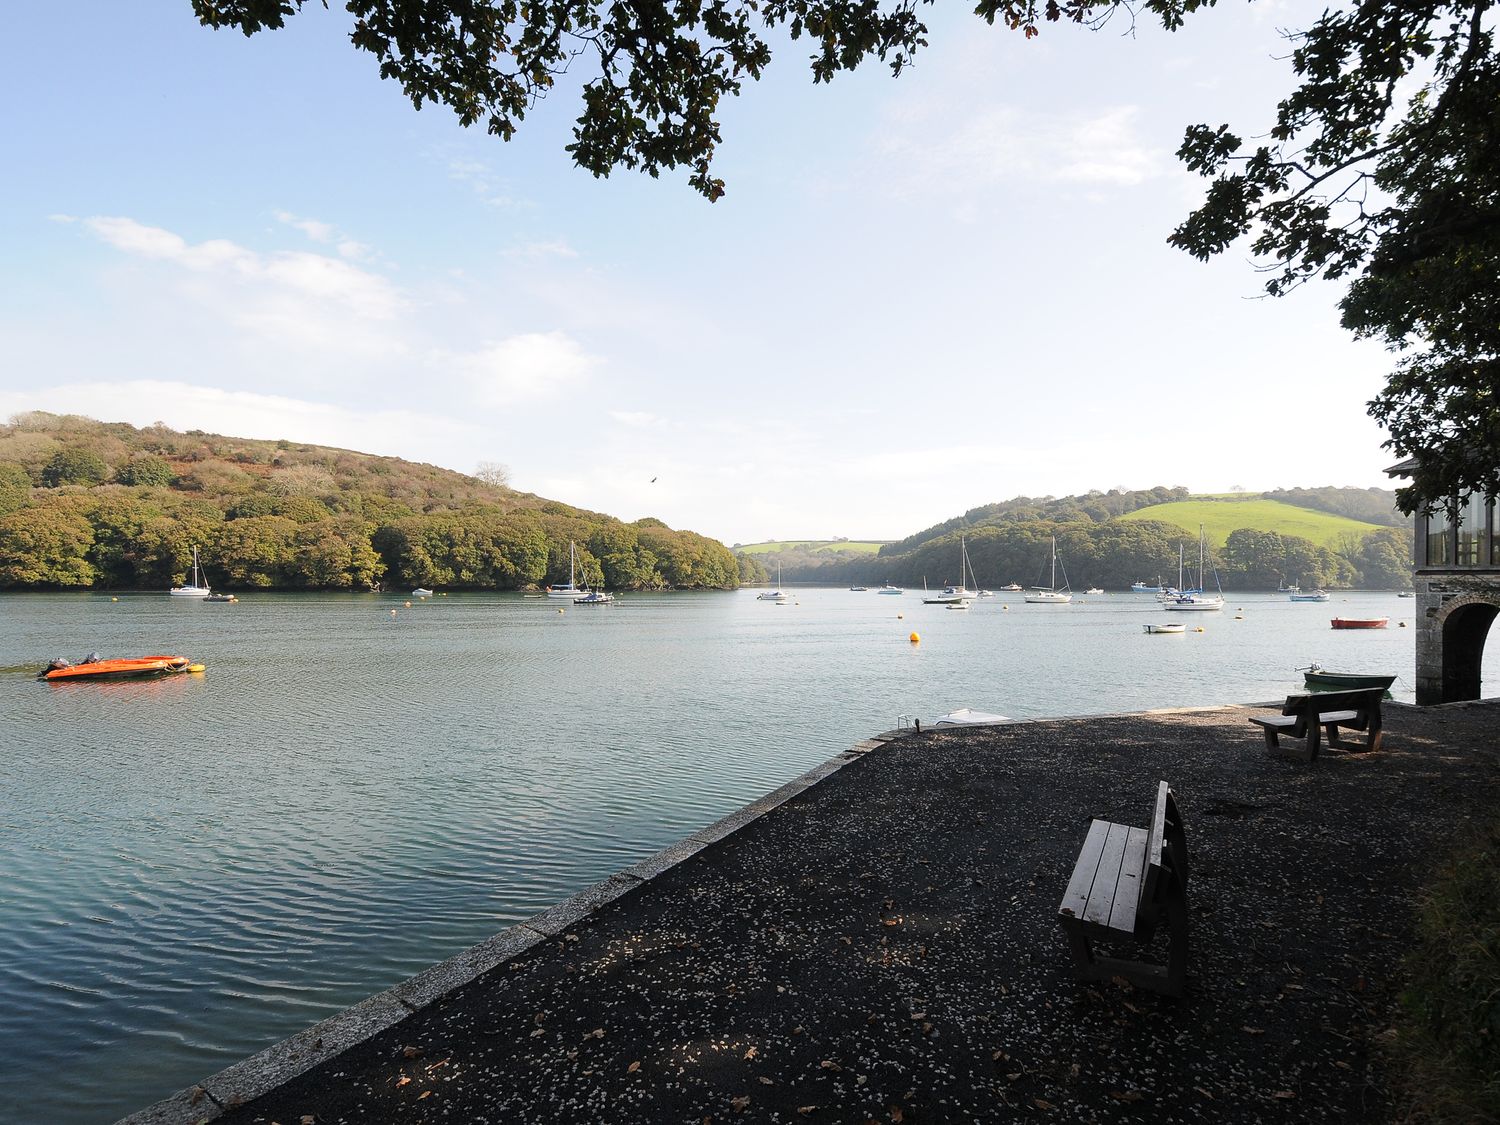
195,588
776,595
1199,599
570,590
960,594
1050,594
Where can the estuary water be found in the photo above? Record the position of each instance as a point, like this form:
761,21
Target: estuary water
196,867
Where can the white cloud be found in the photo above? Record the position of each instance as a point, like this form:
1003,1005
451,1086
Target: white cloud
533,365
638,419
929,153
315,230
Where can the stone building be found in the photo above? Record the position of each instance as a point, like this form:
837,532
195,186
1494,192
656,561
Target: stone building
1457,583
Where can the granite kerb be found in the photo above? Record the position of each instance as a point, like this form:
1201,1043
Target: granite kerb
281,1062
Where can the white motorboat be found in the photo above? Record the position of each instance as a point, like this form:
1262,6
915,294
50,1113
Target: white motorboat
1093,590
1051,594
889,589
595,597
421,592
195,588
1170,627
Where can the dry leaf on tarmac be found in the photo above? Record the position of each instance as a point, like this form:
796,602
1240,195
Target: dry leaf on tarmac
632,1068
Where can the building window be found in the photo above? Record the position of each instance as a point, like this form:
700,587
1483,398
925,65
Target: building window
1474,532
1439,538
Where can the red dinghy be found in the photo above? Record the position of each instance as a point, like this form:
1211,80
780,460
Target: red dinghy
1360,622
92,668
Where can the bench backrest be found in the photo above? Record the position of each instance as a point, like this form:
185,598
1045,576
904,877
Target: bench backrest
1321,702
1166,852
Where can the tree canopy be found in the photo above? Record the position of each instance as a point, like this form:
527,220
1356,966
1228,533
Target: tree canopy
1380,167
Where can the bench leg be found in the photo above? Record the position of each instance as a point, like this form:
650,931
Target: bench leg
1332,730
1177,954
1376,734
1272,742
1314,740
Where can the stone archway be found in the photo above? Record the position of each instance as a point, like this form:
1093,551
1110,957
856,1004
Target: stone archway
1464,624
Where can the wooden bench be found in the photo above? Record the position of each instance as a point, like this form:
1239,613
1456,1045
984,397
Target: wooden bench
1125,882
1305,716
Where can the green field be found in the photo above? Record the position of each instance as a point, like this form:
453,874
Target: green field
1221,515
831,546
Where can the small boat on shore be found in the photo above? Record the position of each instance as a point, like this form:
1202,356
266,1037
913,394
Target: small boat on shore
967,717
221,598
1169,627
1361,622
94,667
1318,678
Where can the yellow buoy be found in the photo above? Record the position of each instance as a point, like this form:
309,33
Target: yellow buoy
1199,629
900,617
408,605
195,668
393,613
1006,608
114,599
915,638
559,611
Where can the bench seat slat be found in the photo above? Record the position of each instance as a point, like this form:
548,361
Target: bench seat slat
1076,898
1102,897
1128,889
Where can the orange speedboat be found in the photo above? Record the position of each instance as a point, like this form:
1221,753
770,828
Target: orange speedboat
93,668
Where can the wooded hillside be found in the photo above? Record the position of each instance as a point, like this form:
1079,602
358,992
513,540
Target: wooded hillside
93,504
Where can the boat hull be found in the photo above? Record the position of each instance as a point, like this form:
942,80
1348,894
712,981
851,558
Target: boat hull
1361,622
1168,629
141,667
1346,681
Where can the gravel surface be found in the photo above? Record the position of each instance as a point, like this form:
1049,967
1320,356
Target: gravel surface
884,947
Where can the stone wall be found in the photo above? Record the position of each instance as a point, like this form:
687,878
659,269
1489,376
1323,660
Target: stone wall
1454,614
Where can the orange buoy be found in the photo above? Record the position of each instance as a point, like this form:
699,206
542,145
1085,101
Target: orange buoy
915,638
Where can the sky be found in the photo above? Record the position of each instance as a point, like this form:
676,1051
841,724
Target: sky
920,295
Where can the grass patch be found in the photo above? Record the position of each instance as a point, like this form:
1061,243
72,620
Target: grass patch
1221,515
1447,1045
832,546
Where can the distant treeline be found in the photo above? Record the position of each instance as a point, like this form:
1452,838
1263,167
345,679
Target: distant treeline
1009,542
1118,552
88,504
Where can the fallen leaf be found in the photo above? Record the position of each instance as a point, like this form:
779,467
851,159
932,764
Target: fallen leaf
424,1094
1204,1092
807,1110
896,1115
764,1081
1283,1094
829,1064
1042,1103
740,1104
1126,1095
402,1081
1253,1030
537,1032
597,1033
413,1052
752,1053
632,1068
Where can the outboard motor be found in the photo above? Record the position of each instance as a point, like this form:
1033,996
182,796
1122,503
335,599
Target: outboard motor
91,658
54,666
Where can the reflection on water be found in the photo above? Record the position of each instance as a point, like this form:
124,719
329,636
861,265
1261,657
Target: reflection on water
197,866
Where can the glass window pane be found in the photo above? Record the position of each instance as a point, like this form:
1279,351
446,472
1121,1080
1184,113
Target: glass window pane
1438,539
1472,531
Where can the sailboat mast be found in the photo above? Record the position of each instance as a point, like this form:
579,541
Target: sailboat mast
1054,564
